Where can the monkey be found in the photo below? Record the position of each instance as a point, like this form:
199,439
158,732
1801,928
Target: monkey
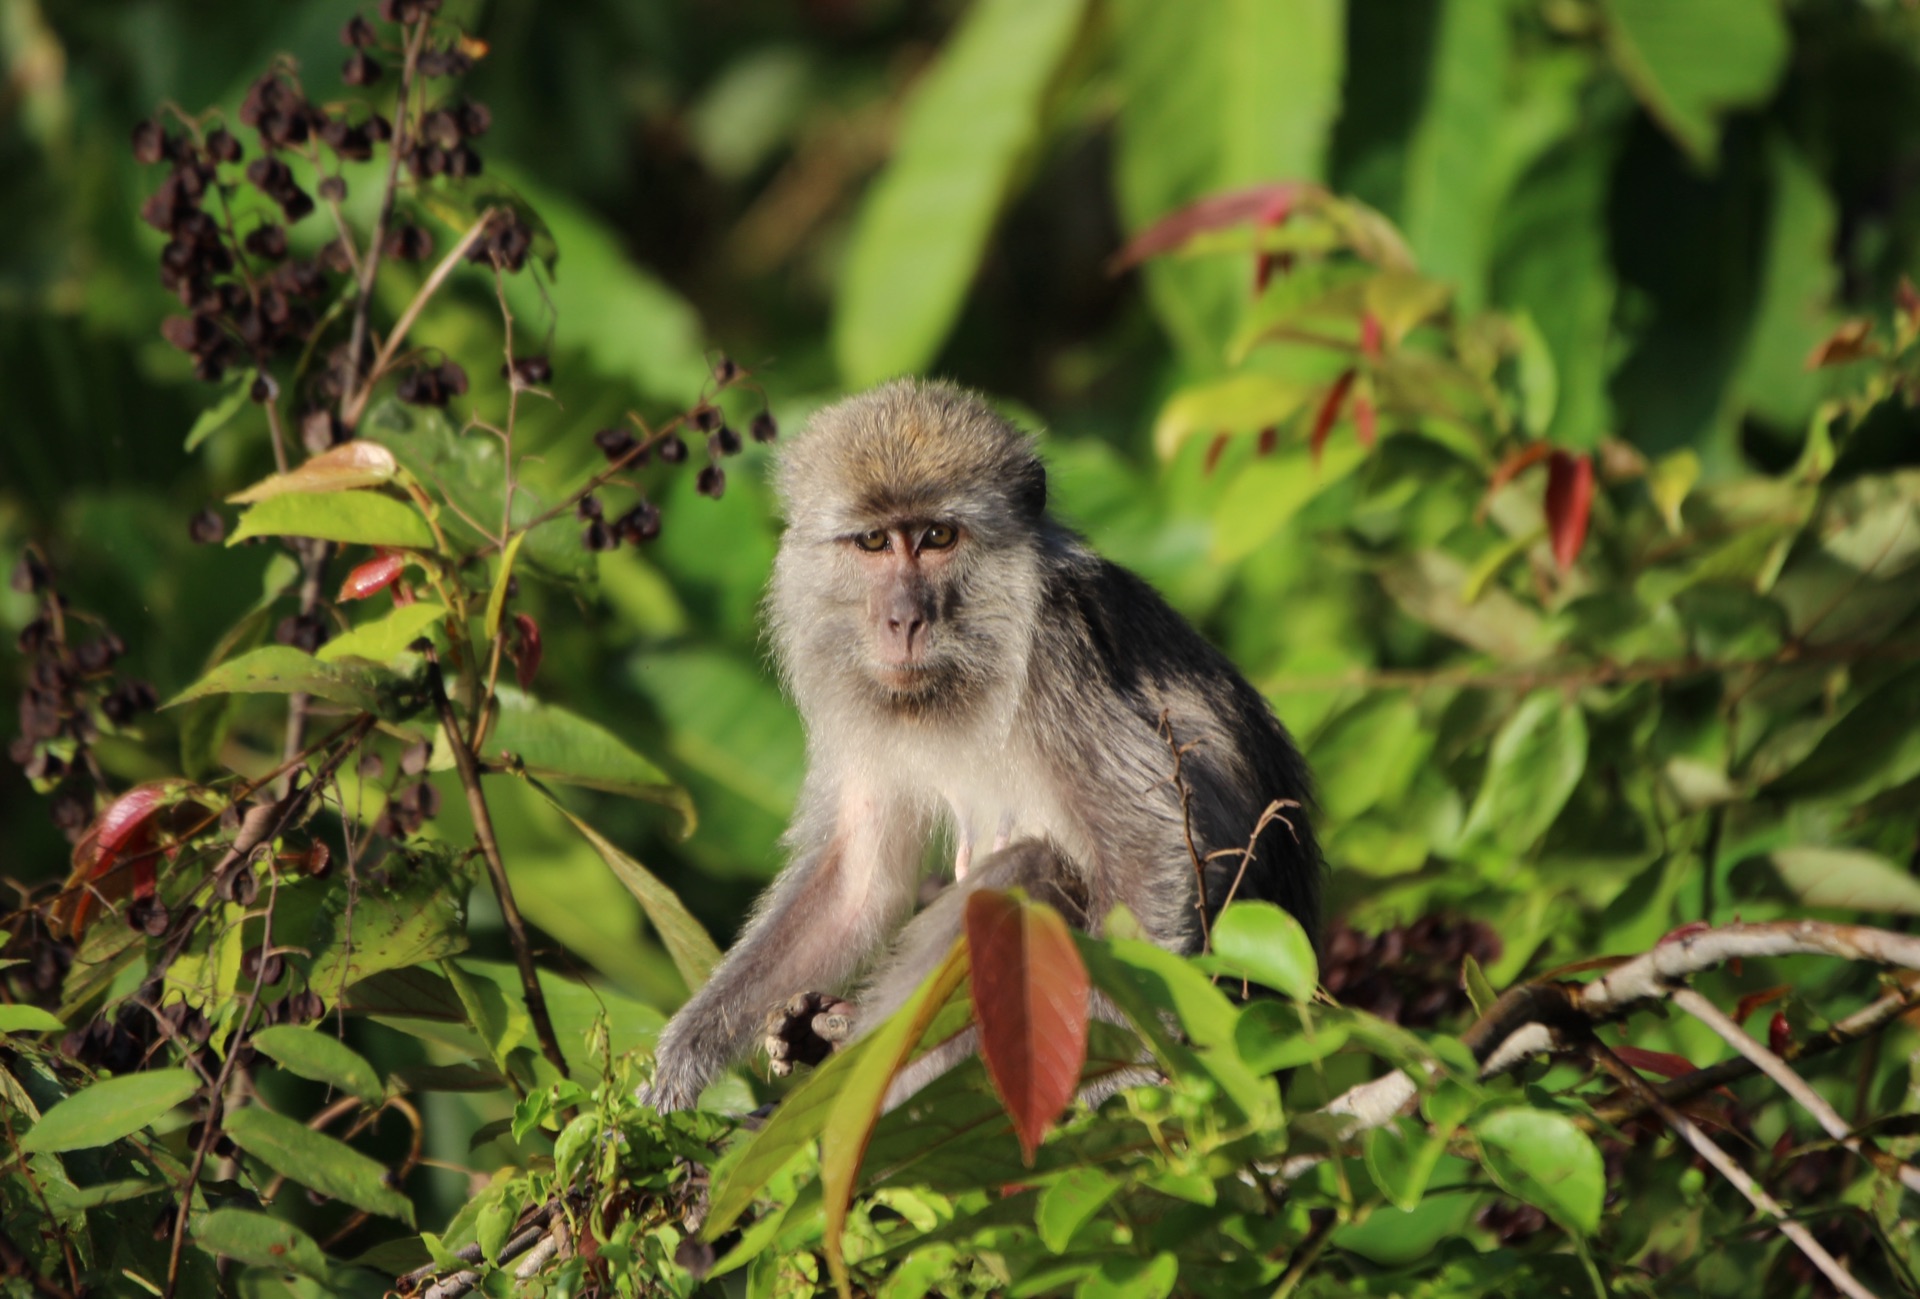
964,663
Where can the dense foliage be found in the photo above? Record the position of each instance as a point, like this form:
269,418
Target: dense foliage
1521,393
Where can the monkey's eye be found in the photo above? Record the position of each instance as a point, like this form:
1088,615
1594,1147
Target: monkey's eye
873,541
939,537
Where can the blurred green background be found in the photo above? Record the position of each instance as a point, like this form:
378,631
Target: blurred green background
1681,197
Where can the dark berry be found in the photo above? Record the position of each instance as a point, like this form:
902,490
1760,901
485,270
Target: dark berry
207,527
725,441
763,428
613,442
712,482
360,69
673,450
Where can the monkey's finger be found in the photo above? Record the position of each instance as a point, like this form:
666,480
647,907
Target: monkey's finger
835,1028
779,1068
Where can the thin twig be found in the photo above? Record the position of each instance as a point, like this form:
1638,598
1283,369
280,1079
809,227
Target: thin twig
1723,1163
464,763
354,409
1795,1086
1185,792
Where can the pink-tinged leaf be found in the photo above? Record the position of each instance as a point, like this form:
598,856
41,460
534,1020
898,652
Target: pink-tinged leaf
1681,933
374,576
1268,442
1754,1000
1569,502
337,469
1370,336
116,856
1779,1035
1851,341
1030,996
1365,420
1265,205
1664,1063
526,649
1329,411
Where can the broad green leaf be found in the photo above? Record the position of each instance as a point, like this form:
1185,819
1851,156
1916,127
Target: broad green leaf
1693,61
1876,746
684,937
283,670
355,518
1452,170
1241,403
317,1161
498,1017
727,720
222,412
1369,755
67,1200
384,639
1272,1035
1069,1202
1536,760
968,124
260,1239
1261,942
107,1110
1542,1158
1266,494
1847,878
1401,1157
338,469
1430,586
1215,97
321,1057
18,1018
562,746
1798,279
1128,1276
418,915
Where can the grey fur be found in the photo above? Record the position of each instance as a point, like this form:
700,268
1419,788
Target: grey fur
1033,723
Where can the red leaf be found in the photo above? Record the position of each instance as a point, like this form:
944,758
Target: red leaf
1370,336
526,649
1664,1063
1754,1000
115,858
376,575
1265,204
1365,426
1779,1036
1030,997
1269,439
1569,501
1215,449
1328,413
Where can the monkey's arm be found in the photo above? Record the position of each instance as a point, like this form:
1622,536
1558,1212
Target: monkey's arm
844,893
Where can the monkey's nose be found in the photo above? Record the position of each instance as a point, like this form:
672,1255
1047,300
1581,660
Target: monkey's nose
907,631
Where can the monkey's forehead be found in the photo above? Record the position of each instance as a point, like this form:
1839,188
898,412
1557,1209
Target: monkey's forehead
910,449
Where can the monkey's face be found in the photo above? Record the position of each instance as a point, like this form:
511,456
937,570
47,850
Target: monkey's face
907,569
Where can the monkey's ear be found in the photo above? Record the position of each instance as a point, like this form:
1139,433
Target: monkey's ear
1030,493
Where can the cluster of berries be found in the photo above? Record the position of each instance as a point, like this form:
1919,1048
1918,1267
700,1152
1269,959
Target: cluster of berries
414,802
620,446
1409,974
71,694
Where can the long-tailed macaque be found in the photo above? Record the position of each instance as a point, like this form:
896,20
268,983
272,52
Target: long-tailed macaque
965,664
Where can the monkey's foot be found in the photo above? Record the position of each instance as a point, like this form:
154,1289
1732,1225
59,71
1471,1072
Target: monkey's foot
808,1029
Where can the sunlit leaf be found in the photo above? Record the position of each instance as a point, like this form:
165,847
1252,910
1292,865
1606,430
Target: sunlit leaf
1030,998
1847,878
1238,404
321,1057
1536,760
363,517
283,670
316,1160
337,469
1544,1159
1259,941
559,745
1693,61
260,1239
386,638
107,1110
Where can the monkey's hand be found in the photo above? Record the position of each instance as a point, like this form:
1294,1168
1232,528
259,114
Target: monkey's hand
808,1029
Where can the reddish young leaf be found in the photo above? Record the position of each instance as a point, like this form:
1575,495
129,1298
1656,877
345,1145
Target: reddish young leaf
1569,501
1269,440
1266,204
526,649
1754,1000
1365,422
1329,412
1852,341
1278,208
1215,449
376,575
115,858
1370,336
1030,996
1664,1063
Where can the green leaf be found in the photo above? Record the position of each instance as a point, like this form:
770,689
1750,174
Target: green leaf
221,413
1693,61
562,746
384,639
1544,1159
1126,1276
418,915
968,124
497,598
1874,747
1272,1035
1240,403
1479,990
1847,878
1069,1202
283,670
1536,760
17,1018
1269,491
1260,941
107,1110
323,1058
1401,1157
317,1161
364,518
261,1240
359,463
684,937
